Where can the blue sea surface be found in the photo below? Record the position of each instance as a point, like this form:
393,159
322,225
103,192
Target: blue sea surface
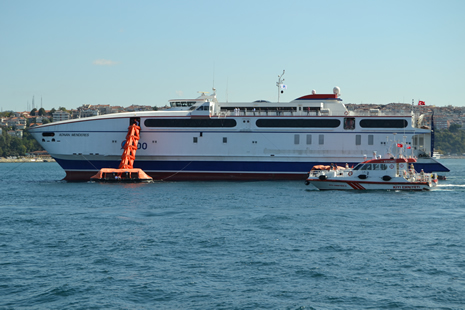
227,245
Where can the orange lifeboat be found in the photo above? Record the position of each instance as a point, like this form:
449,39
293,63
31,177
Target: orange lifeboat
110,175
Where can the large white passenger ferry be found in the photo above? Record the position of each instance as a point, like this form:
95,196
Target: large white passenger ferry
203,139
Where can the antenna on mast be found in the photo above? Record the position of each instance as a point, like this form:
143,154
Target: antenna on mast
281,86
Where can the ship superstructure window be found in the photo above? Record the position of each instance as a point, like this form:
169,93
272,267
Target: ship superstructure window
309,139
204,107
296,139
321,139
358,139
299,123
182,104
417,141
383,123
370,139
349,123
195,139
179,122
225,140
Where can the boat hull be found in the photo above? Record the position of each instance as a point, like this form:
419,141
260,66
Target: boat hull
122,181
361,185
182,170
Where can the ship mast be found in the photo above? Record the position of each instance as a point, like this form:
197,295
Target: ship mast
280,84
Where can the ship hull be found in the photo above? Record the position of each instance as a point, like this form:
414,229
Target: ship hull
78,170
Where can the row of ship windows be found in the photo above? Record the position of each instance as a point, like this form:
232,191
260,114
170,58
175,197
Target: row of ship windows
321,139
349,123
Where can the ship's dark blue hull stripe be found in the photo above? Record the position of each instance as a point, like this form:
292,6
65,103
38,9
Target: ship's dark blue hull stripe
220,166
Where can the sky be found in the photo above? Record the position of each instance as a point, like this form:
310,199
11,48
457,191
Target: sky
70,53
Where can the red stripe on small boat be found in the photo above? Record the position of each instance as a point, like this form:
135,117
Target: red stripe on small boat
355,185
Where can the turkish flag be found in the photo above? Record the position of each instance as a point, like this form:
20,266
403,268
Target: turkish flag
421,102
399,145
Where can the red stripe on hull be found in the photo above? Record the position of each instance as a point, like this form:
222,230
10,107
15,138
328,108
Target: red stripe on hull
197,176
351,184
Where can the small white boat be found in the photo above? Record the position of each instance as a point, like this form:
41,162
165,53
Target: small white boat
436,155
375,174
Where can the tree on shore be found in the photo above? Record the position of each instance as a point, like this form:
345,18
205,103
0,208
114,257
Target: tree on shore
450,141
14,146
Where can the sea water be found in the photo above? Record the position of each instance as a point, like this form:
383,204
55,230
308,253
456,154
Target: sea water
227,245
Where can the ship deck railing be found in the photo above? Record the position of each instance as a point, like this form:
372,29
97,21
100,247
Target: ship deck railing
247,112
226,113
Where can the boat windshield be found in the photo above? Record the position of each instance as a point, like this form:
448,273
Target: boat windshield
379,166
371,167
358,166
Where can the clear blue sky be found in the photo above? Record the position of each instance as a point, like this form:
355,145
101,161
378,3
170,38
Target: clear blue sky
147,52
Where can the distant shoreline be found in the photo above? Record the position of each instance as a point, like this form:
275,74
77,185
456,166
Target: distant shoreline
451,157
26,160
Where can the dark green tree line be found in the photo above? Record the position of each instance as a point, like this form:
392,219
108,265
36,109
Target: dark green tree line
14,146
450,141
